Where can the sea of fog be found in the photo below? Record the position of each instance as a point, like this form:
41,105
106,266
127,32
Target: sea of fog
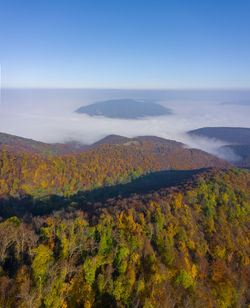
48,114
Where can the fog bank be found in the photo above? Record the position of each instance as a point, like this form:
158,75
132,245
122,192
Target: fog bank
48,115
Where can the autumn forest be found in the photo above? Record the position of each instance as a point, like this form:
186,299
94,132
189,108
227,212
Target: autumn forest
145,223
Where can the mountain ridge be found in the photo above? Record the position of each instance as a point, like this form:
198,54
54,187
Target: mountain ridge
105,165
232,135
237,141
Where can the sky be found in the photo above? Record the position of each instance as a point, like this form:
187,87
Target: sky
147,44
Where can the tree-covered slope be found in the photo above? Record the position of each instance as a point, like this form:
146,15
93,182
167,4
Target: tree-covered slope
105,165
187,246
23,145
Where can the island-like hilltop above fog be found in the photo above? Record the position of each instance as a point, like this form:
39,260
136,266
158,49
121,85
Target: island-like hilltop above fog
124,109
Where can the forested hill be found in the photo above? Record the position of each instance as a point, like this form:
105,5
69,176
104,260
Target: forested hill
236,138
178,247
29,146
24,145
24,174
124,109
231,135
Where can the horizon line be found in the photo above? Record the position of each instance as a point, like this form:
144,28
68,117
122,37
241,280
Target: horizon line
127,88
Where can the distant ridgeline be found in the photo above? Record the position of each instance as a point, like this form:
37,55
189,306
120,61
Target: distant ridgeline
124,109
29,146
231,135
24,145
237,140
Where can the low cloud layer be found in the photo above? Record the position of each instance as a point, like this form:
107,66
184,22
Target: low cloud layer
48,115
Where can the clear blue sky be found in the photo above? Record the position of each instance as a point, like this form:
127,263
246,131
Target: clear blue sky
125,43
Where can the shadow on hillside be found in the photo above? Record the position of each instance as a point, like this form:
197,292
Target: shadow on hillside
86,200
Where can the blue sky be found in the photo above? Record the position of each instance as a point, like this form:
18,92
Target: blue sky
125,44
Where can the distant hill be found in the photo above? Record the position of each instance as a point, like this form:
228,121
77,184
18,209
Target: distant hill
124,109
110,139
30,146
242,151
237,139
116,139
17,144
231,135
24,145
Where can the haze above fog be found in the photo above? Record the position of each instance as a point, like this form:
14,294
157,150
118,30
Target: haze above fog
48,115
